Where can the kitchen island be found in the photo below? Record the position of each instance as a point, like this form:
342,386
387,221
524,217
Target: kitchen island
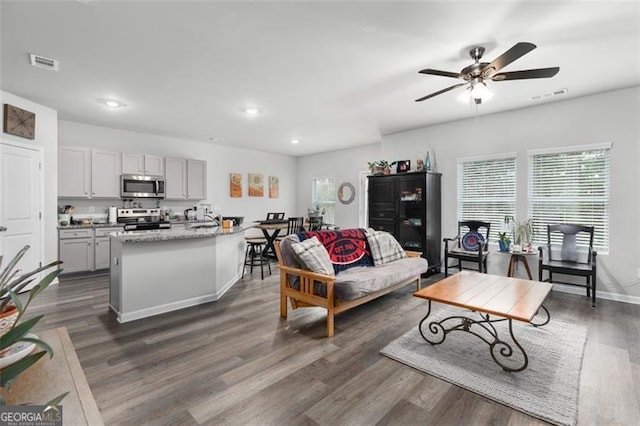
153,272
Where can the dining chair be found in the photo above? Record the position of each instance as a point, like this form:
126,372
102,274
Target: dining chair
275,216
294,225
470,245
563,255
315,223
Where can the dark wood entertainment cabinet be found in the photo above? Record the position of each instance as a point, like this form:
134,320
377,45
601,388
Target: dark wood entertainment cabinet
408,206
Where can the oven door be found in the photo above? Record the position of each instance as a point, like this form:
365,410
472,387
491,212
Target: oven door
135,186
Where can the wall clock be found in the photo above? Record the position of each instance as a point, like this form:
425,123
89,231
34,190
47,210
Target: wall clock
19,122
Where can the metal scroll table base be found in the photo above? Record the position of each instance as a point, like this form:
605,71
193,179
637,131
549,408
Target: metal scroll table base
481,327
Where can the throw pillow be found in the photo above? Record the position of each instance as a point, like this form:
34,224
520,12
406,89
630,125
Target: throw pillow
313,256
472,240
384,247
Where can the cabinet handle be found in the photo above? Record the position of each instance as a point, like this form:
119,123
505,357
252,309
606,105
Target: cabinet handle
88,244
93,193
3,228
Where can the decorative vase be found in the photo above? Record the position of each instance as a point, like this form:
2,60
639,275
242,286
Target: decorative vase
7,319
504,245
378,170
427,162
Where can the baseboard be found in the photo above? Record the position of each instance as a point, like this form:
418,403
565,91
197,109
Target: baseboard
635,300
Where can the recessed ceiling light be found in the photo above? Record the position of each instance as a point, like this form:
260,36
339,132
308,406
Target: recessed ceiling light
112,103
251,110
295,141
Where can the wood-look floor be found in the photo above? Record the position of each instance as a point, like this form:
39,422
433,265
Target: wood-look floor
236,361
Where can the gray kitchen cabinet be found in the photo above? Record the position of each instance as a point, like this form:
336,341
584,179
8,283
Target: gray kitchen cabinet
175,185
132,164
105,174
102,252
185,179
74,172
85,249
196,179
142,164
103,246
153,165
77,254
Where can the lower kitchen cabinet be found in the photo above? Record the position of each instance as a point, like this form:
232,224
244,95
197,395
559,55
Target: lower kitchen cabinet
85,249
77,255
102,252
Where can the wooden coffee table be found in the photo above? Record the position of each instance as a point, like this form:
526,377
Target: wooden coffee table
485,295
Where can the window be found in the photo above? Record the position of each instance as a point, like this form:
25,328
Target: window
323,197
570,186
487,189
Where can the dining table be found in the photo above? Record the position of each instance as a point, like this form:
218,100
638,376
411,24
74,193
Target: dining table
271,229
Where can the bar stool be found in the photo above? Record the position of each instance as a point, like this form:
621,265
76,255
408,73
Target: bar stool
253,256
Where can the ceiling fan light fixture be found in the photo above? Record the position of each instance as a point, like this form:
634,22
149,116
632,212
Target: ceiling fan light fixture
480,91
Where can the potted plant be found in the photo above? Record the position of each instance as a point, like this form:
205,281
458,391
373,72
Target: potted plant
503,241
523,232
12,309
380,167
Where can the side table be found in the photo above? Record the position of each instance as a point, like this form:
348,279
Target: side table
519,257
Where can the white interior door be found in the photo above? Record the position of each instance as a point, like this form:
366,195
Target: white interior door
20,204
363,200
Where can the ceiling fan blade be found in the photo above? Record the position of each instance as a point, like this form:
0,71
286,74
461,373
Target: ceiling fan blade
516,52
441,73
525,74
440,92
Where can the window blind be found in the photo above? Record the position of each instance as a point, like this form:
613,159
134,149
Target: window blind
324,197
487,190
570,187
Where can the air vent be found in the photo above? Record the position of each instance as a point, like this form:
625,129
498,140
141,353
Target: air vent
548,95
46,63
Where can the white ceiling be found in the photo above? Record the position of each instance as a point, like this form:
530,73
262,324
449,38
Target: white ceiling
331,74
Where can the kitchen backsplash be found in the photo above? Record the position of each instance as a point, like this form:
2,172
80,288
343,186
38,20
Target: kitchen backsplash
98,210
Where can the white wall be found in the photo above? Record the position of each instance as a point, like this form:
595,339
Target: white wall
345,166
46,137
221,161
607,117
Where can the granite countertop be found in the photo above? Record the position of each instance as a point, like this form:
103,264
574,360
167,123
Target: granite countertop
93,225
175,234
120,225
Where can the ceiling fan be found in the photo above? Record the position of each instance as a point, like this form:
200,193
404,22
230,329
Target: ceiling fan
475,74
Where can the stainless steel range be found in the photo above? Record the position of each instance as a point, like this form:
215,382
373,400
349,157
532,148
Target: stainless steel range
141,219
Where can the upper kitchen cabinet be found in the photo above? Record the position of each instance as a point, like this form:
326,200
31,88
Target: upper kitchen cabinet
105,174
175,185
74,172
185,179
196,179
142,164
88,173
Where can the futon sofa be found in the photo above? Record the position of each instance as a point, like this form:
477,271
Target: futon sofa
363,265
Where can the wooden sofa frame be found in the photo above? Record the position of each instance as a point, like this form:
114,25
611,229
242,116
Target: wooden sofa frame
305,297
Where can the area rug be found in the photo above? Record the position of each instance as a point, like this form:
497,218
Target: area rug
547,389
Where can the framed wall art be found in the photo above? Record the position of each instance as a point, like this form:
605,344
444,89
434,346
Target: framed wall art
19,122
256,185
274,187
235,185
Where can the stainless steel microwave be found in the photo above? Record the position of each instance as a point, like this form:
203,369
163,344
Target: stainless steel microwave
137,186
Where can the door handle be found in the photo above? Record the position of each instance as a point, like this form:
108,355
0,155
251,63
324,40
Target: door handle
3,228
